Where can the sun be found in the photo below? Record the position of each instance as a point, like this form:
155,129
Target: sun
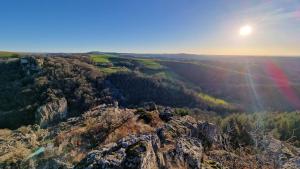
245,30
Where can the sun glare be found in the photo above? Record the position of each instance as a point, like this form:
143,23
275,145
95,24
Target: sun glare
245,30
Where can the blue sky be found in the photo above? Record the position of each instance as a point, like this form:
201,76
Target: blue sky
151,26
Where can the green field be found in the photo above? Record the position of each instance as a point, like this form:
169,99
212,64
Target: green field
104,59
149,63
100,58
212,100
8,55
109,70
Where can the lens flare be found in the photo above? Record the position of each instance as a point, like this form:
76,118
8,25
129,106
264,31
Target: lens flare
282,82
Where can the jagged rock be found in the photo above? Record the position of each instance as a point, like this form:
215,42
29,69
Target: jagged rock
182,126
276,150
166,115
129,152
187,126
51,112
164,136
207,132
189,153
149,106
293,163
148,151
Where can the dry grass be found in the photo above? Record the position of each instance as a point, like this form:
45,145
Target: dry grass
70,136
132,126
17,145
4,133
16,152
76,156
13,149
231,160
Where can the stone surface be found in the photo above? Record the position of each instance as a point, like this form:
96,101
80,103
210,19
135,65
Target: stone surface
166,115
293,163
207,132
129,152
188,152
52,112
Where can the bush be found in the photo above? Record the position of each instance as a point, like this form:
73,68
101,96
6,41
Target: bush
182,111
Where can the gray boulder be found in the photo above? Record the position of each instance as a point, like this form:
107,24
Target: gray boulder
207,132
52,112
188,154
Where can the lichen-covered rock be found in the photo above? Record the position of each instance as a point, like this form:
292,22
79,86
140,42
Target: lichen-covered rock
207,132
277,152
293,163
189,152
52,112
145,152
187,126
129,152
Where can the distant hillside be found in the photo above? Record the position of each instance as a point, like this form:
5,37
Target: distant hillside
80,83
257,84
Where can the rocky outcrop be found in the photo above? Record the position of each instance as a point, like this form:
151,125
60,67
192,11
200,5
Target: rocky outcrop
166,114
145,152
188,153
129,152
52,112
163,149
115,138
279,153
187,126
208,133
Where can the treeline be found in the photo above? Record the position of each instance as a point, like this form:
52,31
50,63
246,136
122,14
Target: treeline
284,126
18,97
137,89
134,88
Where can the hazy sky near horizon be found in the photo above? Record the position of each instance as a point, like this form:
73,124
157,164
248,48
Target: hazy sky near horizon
151,26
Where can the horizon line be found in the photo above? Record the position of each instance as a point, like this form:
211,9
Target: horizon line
161,53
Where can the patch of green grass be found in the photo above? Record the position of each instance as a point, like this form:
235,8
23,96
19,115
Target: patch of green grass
150,63
213,100
182,111
7,55
105,59
109,70
100,58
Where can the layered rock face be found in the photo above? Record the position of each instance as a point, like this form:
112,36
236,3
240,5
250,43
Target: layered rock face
176,144
145,152
52,112
129,152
